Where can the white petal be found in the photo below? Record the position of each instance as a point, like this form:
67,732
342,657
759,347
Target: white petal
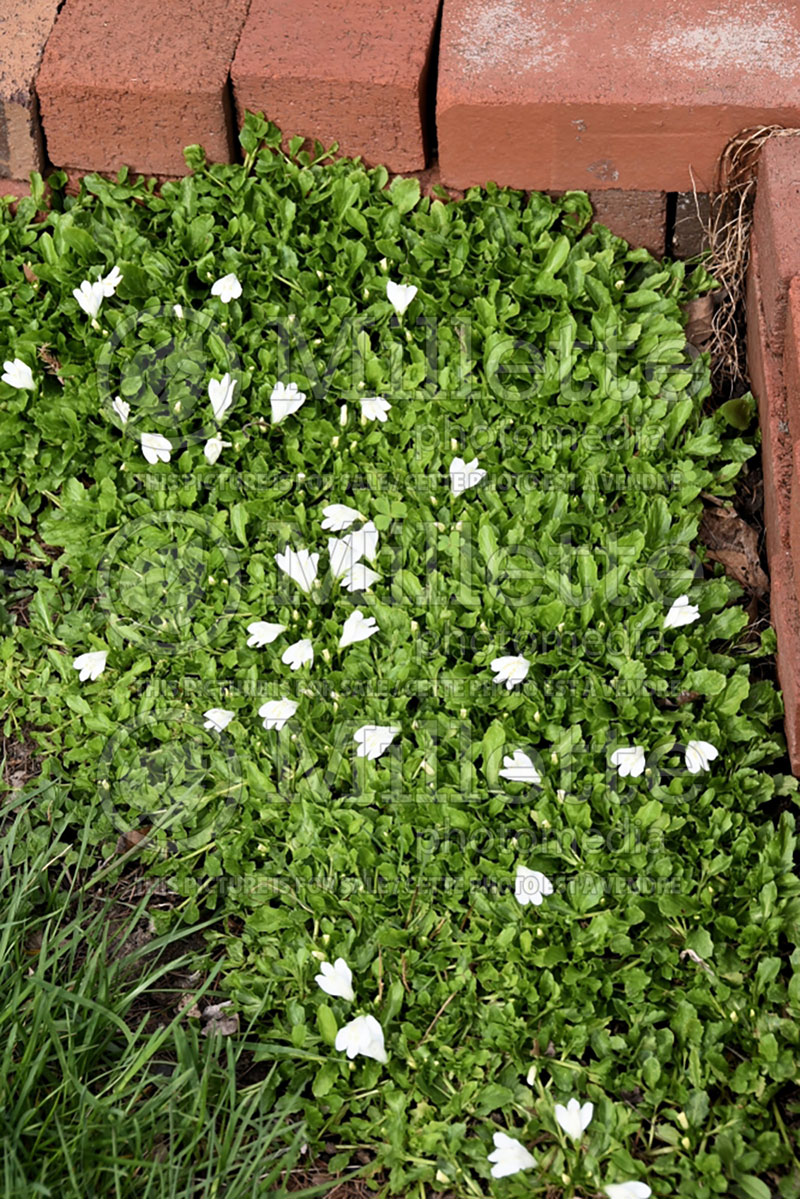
464,475
122,409
300,566
214,447
336,979
374,408
227,288
629,760
339,517
360,578
276,712
110,282
285,400
18,374
343,555
357,627
372,740
681,613
531,886
156,448
220,393
217,719
90,666
298,654
520,769
400,295
628,1190
262,633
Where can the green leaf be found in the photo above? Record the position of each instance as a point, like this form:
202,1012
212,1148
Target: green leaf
404,193
326,1023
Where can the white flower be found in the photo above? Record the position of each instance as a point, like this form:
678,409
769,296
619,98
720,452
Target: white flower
298,654
511,670
18,374
262,632
214,447
122,409
359,578
700,755
628,1190
276,712
343,415
339,517
509,1156
178,310
109,284
464,474
227,288
365,541
156,448
336,979
681,612
520,769
531,886
363,1035
91,665
89,297
574,1118
220,392
300,566
357,627
374,408
630,760
374,739
285,400
400,295
217,719
343,556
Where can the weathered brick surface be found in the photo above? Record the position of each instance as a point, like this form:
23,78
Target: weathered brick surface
131,82
597,95
776,221
24,29
768,385
351,71
791,368
639,217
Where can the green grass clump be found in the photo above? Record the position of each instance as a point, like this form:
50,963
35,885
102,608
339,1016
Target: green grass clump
96,1101
658,979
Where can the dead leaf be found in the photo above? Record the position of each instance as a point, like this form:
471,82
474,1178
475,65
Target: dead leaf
698,320
217,1023
29,273
51,362
732,542
130,840
188,1007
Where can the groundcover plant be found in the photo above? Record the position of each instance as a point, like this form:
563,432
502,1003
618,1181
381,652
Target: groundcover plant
354,534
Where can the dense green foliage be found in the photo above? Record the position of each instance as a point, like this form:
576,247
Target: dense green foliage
660,980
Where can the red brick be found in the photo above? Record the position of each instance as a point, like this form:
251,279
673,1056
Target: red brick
24,28
131,82
776,218
794,515
791,365
591,94
350,71
639,217
779,469
692,217
15,187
